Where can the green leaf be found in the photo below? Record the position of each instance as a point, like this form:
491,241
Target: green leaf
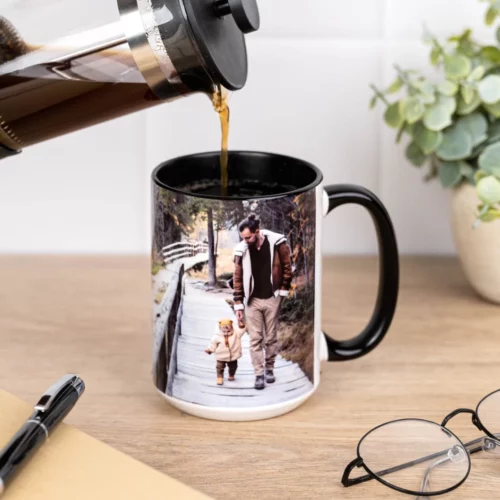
457,66
449,103
498,35
479,175
490,214
439,115
449,174
409,129
476,126
489,89
447,88
489,161
491,15
463,36
414,110
465,109
400,133
437,118
373,101
396,86
428,98
494,109
468,93
467,171
491,53
392,116
427,140
488,190
477,74
425,87
494,132
435,55
415,154
456,145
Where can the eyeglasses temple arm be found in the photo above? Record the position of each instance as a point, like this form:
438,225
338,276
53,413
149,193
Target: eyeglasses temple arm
358,462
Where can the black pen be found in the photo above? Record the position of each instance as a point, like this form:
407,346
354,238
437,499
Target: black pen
51,410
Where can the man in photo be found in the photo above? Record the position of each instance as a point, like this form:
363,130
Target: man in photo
262,277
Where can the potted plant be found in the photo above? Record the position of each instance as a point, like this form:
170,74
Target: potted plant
453,125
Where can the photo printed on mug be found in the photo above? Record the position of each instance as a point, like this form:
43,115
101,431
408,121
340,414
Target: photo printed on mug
234,298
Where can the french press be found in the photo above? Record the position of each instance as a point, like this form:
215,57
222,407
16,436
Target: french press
60,72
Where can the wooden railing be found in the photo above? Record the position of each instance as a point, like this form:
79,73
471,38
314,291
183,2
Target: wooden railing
183,249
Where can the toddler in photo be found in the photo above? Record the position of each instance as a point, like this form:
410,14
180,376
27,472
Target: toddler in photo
226,344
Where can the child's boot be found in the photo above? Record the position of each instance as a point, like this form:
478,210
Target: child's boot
220,380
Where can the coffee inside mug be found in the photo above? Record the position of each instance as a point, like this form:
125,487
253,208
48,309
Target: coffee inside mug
251,174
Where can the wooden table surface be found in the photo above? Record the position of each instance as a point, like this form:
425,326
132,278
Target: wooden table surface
90,315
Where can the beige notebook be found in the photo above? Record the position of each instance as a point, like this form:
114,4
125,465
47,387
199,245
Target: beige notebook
74,466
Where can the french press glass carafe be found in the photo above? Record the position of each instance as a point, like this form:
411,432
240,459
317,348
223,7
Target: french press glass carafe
69,64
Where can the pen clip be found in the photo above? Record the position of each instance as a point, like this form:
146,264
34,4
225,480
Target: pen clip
54,391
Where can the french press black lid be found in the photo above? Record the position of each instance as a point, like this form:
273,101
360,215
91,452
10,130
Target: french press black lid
219,27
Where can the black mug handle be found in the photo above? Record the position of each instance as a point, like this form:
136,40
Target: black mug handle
388,288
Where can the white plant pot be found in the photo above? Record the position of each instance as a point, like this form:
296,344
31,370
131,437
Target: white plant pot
478,248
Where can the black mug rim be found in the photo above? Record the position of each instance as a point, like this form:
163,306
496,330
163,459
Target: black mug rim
249,153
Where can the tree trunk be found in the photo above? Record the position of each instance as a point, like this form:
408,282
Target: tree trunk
212,278
216,247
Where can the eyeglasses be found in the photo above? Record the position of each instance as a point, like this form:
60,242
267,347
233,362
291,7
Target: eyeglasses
422,458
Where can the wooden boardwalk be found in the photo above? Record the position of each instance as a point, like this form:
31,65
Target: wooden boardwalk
195,381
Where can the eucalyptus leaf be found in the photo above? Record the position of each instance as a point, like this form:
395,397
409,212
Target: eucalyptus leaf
479,175
457,66
435,55
491,53
415,154
396,86
427,140
467,171
449,174
400,133
414,110
449,103
463,36
456,144
490,215
494,109
409,129
448,88
477,73
428,98
393,116
494,132
425,87
476,126
491,15
468,93
488,190
489,89
464,109
489,161
437,118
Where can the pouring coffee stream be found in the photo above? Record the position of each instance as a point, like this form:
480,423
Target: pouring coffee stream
220,102
153,51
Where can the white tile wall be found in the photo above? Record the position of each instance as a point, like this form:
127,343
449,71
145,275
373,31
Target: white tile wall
310,67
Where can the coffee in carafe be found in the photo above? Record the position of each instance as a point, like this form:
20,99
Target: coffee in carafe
153,52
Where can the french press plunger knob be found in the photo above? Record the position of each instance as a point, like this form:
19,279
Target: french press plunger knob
244,12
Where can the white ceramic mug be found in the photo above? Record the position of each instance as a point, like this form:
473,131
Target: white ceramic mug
237,283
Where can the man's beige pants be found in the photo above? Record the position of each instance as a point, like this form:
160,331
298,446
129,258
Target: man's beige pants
262,317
